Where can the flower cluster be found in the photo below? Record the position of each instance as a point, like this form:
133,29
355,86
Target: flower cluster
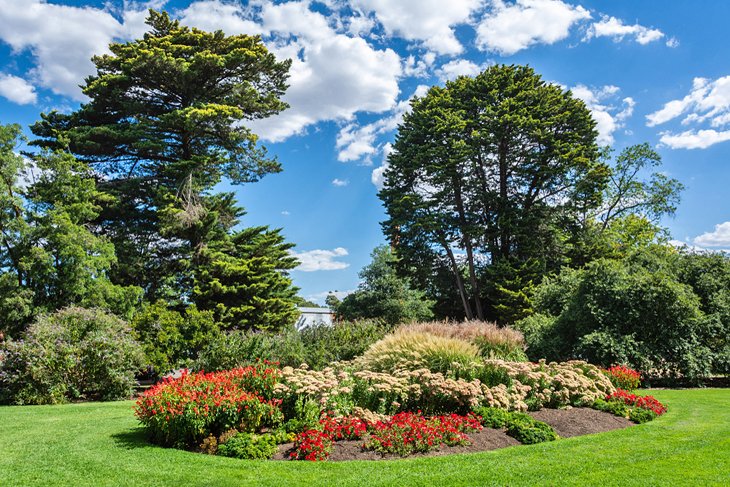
407,432
343,427
181,412
536,385
329,388
623,377
312,445
649,403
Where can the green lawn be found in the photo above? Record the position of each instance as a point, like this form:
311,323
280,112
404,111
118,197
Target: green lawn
100,444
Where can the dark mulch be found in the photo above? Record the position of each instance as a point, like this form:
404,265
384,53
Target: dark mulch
566,422
487,439
579,421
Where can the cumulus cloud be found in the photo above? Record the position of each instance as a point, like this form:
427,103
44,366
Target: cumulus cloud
320,260
61,38
458,67
17,89
706,107
428,21
616,29
608,117
340,182
355,142
378,175
509,28
719,237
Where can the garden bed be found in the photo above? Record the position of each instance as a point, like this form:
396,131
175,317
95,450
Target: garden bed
566,422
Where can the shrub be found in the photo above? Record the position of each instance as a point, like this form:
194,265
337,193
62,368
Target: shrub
312,445
241,348
344,340
75,353
623,377
496,418
407,349
631,311
170,339
318,346
641,415
249,446
492,341
614,407
181,412
528,430
407,433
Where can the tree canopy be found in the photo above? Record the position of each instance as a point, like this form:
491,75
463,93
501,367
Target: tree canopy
166,121
494,180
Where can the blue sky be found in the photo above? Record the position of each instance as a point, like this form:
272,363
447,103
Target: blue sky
650,71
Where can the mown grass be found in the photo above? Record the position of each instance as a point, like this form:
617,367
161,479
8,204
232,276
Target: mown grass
100,444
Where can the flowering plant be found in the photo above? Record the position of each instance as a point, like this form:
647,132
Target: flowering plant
407,432
343,427
649,403
623,377
181,412
312,445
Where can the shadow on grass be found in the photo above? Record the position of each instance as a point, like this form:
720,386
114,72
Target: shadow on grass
130,439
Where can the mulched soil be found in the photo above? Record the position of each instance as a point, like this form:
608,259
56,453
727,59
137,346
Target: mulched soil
579,421
566,422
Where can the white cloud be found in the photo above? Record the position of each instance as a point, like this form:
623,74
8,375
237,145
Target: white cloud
285,213
458,67
320,260
61,38
214,15
693,139
321,296
509,28
378,175
618,31
428,21
357,141
608,118
720,237
333,78
340,182
672,42
707,104
17,89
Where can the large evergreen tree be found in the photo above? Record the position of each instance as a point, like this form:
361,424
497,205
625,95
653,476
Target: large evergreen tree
165,123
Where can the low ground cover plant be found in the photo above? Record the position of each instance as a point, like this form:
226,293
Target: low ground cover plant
407,433
639,409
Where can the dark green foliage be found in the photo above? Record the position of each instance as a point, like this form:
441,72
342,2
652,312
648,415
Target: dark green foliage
529,431
342,341
244,281
72,354
166,123
617,408
383,295
249,446
493,417
496,166
632,312
171,339
641,415
317,346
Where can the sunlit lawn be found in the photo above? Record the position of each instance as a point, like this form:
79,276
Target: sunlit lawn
100,444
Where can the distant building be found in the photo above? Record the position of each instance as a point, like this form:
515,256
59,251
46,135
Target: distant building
312,316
